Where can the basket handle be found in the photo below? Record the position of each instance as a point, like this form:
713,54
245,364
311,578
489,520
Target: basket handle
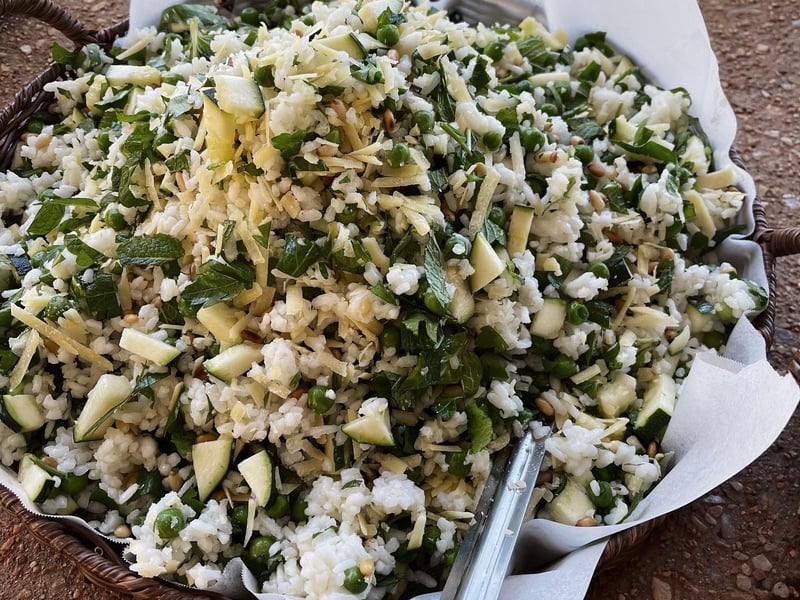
53,15
781,242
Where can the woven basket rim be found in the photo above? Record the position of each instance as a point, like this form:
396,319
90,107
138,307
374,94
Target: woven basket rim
104,566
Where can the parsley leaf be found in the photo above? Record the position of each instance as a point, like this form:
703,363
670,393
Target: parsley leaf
479,427
298,255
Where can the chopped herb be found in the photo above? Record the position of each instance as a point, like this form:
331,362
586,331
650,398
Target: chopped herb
155,249
298,255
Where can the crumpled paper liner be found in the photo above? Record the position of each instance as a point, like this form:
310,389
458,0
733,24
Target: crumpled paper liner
730,409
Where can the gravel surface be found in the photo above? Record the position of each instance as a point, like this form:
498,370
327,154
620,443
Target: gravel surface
741,541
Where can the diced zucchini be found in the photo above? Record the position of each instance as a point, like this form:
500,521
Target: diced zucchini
220,319
616,396
699,322
487,264
109,393
21,412
702,218
548,321
220,128
519,229
571,505
346,42
119,75
211,461
657,407
36,482
141,344
375,428
257,471
233,362
462,305
650,319
623,131
417,534
239,96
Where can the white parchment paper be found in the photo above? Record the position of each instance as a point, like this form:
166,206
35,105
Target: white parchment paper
730,409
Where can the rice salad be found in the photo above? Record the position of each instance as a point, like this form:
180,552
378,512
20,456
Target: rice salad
278,287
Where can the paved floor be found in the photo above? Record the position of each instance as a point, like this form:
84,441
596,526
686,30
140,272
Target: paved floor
741,541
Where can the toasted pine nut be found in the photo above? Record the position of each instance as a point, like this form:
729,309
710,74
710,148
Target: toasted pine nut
122,531
131,318
174,480
339,108
586,522
576,140
652,449
251,336
367,567
51,345
130,480
50,461
670,334
596,200
544,477
219,495
326,150
480,169
389,122
667,253
544,407
207,436
613,236
597,169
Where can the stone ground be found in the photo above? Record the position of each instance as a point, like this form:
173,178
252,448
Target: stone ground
741,541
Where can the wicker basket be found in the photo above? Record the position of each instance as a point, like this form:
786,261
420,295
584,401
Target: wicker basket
99,560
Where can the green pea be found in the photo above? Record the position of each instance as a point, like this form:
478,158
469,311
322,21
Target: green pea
318,399
497,215
584,153
714,339
577,312
250,16
425,121
239,516
725,313
457,246
450,556
398,155
549,109
605,496
258,549
495,50
169,523
600,270
493,140
309,20
278,507
390,337
388,34
532,139
115,220
524,85
354,581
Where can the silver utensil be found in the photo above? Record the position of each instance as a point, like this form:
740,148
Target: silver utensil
489,12
483,560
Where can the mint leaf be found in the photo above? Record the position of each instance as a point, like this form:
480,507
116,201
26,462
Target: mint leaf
434,272
382,292
47,219
149,250
100,297
216,281
479,427
289,144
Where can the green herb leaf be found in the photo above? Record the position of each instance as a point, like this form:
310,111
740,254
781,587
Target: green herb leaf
118,100
178,105
216,281
149,250
179,161
100,297
434,272
479,427
382,292
289,144
298,255
47,218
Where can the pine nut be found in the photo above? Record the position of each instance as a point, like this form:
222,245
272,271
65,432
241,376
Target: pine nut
597,169
596,200
586,522
50,461
131,318
389,122
174,480
207,436
576,140
122,531
131,480
367,567
219,495
652,449
544,477
544,407
326,150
